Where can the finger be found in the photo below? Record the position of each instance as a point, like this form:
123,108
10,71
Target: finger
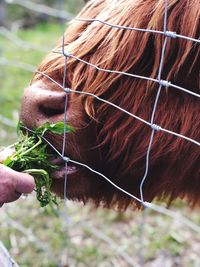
21,182
24,183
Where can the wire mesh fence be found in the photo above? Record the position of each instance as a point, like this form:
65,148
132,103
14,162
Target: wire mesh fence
126,257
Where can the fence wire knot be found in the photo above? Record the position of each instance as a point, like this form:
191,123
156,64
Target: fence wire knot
170,34
164,83
66,53
156,127
66,159
67,90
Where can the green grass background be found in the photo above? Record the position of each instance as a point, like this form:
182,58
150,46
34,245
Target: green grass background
14,79
86,237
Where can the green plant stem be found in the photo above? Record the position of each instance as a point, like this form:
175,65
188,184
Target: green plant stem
33,147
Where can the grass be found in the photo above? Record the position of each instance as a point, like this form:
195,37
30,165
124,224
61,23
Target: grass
92,238
88,237
13,80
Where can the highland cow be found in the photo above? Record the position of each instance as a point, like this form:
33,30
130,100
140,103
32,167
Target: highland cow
106,138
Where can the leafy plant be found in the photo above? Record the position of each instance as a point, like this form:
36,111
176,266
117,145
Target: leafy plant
32,155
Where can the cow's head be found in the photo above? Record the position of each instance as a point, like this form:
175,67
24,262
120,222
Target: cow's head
105,138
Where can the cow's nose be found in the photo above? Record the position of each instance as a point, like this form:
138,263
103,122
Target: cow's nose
41,104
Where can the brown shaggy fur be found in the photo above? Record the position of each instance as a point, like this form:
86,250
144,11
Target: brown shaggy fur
111,141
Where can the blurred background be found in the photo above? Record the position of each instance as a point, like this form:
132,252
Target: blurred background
80,236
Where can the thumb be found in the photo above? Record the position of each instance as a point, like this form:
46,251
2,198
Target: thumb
24,183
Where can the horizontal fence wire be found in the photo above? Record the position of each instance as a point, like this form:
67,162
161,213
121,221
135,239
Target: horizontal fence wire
166,33
162,82
39,8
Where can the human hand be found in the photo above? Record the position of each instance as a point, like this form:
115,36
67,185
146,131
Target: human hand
13,184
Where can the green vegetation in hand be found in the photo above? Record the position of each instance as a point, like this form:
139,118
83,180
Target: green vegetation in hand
32,156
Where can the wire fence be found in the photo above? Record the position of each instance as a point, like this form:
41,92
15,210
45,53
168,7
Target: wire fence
162,84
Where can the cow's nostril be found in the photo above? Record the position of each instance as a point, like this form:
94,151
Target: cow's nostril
41,104
49,112
51,105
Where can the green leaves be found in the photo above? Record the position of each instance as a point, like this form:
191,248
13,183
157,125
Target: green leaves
56,128
32,156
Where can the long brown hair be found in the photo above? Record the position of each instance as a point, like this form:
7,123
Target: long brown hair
174,163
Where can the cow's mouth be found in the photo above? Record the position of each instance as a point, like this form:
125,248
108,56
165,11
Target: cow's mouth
64,168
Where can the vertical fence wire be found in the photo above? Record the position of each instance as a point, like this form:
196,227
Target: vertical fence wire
144,213
65,107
